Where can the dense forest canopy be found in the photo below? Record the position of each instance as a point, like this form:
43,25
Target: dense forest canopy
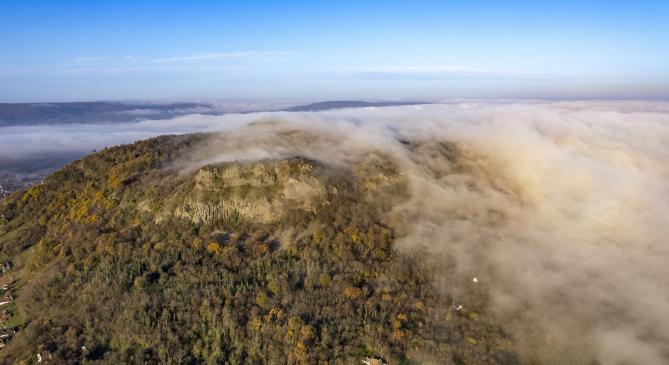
125,257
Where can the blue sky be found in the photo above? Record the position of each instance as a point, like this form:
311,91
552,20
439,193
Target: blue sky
120,50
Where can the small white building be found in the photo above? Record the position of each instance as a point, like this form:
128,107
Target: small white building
372,361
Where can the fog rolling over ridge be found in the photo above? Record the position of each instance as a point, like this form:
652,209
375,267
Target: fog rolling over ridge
37,138
338,182
558,209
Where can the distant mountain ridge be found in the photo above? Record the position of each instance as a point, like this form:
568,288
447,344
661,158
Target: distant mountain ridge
88,112
342,104
13,114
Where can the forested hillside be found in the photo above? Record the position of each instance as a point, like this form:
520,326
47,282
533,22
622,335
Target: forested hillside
124,257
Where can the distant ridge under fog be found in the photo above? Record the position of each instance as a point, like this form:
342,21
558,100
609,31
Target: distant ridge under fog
13,114
327,105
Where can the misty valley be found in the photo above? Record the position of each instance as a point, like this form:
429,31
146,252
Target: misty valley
38,138
341,182
478,232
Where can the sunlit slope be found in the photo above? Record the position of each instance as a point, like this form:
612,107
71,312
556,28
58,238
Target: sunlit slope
127,256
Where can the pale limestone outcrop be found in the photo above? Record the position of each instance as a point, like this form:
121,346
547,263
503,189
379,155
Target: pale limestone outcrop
260,192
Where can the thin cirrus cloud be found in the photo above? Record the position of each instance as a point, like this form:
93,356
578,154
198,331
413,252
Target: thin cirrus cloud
244,56
238,56
140,63
436,73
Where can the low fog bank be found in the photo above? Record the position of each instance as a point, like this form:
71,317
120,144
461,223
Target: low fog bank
109,112
560,209
37,138
28,153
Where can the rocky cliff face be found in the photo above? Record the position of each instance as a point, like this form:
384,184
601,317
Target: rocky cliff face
265,191
261,192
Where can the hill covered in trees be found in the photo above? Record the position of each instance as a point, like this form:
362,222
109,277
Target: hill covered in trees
127,257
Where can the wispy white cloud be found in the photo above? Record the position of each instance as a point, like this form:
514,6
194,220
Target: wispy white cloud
227,56
202,61
445,69
87,61
200,57
430,72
